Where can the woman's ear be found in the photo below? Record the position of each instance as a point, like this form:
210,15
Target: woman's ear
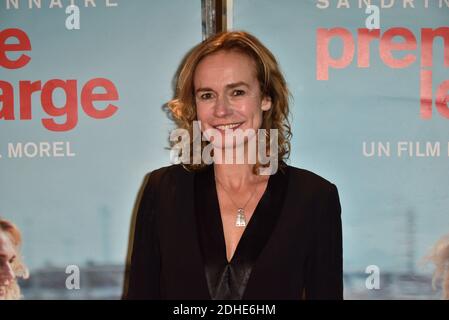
266,103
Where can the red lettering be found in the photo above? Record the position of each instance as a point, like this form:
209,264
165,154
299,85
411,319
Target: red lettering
442,99
324,58
23,45
426,94
88,97
27,88
7,100
387,46
427,37
69,109
363,49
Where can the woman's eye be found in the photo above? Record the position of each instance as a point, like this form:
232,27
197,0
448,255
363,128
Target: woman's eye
238,93
206,96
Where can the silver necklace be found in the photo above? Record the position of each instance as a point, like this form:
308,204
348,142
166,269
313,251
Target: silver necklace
240,220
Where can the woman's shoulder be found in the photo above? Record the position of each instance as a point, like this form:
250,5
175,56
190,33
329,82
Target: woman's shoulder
310,180
164,175
314,189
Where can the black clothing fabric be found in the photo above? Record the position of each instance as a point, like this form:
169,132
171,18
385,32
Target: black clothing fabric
291,248
227,280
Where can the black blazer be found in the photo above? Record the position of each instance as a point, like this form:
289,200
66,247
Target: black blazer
302,256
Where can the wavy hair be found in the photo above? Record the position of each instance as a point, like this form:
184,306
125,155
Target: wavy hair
439,256
18,267
271,80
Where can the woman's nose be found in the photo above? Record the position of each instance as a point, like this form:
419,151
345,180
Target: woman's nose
7,275
222,107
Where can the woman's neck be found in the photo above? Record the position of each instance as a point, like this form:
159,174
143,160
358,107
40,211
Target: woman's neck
236,176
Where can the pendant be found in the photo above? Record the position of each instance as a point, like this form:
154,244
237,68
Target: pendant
240,222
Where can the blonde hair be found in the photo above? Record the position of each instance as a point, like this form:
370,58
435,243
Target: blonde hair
19,268
439,256
271,80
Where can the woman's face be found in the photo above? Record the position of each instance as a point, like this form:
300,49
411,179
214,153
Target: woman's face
7,256
227,93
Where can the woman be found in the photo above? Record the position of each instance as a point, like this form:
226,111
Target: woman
224,230
11,266
439,256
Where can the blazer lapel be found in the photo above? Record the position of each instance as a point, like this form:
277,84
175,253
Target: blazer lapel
189,242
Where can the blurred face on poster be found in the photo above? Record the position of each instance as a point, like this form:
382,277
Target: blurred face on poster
11,266
7,257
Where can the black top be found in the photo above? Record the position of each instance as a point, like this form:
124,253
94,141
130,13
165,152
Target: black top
228,280
291,247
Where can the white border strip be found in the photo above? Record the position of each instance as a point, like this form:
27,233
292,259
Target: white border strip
229,14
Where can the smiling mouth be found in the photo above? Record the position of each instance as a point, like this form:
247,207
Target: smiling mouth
229,126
